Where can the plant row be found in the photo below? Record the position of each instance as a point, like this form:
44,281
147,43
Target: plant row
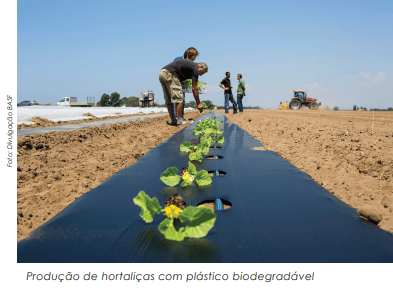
180,221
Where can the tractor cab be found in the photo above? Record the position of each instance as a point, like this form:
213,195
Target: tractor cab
302,95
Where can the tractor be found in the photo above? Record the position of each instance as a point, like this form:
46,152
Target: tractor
300,100
146,99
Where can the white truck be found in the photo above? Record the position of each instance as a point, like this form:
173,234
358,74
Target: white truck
73,101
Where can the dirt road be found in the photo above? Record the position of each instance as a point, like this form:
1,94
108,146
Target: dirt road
348,153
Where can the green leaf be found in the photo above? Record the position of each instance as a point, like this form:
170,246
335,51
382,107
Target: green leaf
166,227
185,183
185,146
208,131
170,176
198,131
191,168
220,139
149,206
197,156
201,219
203,178
207,141
206,147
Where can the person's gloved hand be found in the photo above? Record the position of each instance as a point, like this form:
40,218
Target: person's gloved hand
200,107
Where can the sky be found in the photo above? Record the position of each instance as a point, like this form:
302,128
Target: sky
340,52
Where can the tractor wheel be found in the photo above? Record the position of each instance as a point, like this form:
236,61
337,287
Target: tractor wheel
140,104
295,104
313,106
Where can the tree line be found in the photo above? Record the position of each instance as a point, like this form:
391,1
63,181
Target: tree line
355,108
114,100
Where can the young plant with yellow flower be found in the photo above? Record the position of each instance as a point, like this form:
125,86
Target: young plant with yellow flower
171,178
208,127
200,219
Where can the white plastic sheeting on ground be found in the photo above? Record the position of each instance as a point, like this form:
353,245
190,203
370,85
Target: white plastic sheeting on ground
65,113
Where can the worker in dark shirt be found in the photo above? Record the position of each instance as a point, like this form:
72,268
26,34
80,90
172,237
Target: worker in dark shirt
190,54
226,85
171,77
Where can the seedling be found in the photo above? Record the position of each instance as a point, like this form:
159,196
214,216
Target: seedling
200,219
193,150
209,127
171,178
188,84
195,156
201,85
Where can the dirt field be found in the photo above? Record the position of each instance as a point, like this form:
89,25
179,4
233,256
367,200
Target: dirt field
56,168
345,152
348,153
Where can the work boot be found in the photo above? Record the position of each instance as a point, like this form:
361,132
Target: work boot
180,121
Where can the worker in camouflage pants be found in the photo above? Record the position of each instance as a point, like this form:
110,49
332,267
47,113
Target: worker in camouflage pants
171,77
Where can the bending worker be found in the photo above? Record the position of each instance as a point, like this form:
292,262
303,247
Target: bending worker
171,77
190,54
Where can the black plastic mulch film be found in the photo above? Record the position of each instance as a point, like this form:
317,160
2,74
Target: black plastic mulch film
278,214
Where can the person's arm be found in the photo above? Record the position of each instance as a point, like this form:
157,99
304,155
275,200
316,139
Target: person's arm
196,95
222,86
244,89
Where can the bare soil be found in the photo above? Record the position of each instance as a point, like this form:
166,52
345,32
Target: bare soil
348,153
54,169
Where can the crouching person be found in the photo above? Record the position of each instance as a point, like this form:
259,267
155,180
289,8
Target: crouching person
171,77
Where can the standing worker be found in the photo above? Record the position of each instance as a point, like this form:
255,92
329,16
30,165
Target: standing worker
171,77
226,85
241,91
190,54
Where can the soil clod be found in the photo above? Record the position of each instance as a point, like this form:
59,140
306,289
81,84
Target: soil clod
176,200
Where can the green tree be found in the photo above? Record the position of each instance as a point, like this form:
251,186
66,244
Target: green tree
355,108
191,104
123,101
336,108
114,99
131,101
104,101
134,101
209,104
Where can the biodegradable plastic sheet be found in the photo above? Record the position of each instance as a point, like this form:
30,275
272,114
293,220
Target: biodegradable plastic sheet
278,214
